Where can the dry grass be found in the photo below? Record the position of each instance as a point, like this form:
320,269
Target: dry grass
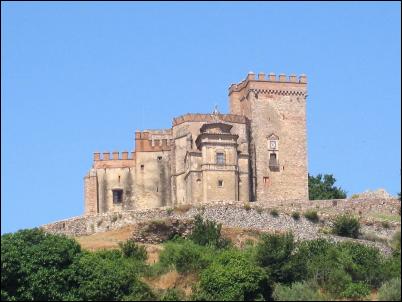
182,208
106,240
173,279
111,239
240,236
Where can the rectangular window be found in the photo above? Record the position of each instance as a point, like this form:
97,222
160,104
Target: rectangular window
220,158
220,183
117,196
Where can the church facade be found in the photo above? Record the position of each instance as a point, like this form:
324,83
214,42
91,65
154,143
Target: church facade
256,152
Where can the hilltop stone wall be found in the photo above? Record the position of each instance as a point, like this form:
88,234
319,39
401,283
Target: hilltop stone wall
255,215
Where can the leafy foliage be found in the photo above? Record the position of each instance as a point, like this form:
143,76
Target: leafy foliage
208,233
185,256
273,253
296,215
322,187
34,265
274,213
130,249
356,290
298,291
346,226
172,294
312,216
107,276
232,277
40,266
390,290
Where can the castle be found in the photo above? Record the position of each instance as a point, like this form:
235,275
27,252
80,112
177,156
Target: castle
257,152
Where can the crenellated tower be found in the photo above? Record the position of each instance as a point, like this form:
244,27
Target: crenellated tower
276,110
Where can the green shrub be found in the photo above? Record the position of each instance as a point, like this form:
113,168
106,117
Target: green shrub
35,265
390,290
299,291
363,263
133,250
371,236
114,218
311,215
390,267
169,211
246,206
346,226
274,213
337,281
273,253
259,210
208,233
396,241
106,275
185,256
296,215
385,224
232,277
356,290
173,294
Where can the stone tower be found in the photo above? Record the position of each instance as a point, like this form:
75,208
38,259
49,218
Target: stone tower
276,110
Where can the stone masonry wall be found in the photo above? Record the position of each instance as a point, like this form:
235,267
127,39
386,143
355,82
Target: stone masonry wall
255,215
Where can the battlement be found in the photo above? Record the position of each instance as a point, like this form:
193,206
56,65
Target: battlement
153,140
282,81
117,160
197,117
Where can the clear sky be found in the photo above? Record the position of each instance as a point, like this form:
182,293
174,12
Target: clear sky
82,77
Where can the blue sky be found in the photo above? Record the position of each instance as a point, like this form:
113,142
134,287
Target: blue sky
82,77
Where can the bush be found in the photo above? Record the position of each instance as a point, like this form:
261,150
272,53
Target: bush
274,213
296,215
172,294
346,226
185,256
259,210
356,290
106,275
132,250
273,253
396,241
246,206
385,224
35,265
114,218
208,233
361,262
232,276
311,215
390,291
299,291
337,281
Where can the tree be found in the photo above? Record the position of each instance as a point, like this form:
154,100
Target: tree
232,276
34,265
274,254
322,187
